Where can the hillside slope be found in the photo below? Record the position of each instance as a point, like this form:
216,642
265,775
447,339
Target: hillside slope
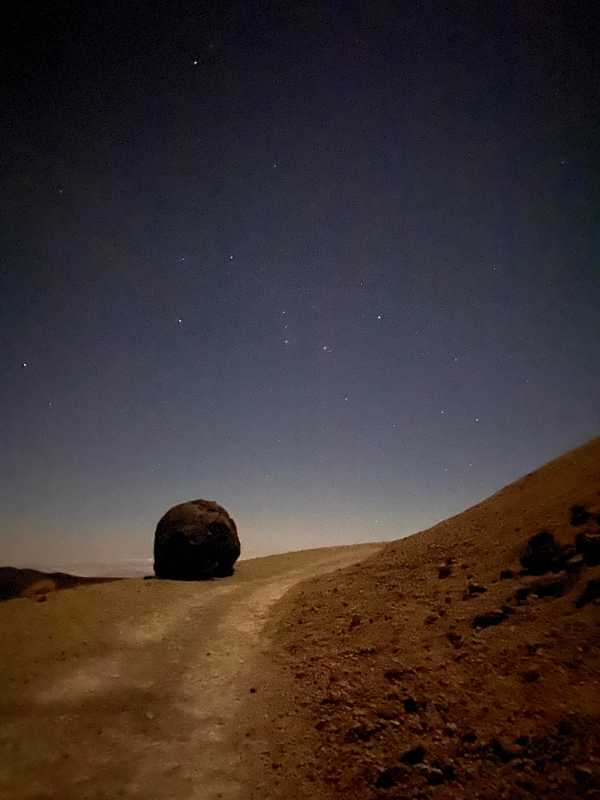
440,668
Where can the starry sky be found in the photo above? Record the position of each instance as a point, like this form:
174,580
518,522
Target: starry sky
334,265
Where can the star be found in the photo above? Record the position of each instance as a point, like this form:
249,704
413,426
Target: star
325,348
286,341
443,412
379,316
195,62
179,321
476,419
24,364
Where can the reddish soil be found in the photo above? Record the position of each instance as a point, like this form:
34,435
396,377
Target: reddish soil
389,686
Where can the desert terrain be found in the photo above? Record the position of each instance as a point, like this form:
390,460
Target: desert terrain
461,662
142,688
441,668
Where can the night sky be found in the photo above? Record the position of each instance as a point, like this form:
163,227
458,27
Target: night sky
334,265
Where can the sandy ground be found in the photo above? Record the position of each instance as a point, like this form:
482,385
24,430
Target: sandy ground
145,688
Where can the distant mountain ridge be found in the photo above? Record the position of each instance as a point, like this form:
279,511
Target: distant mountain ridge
15,582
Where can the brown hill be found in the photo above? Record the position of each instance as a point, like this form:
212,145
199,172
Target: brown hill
33,583
440,667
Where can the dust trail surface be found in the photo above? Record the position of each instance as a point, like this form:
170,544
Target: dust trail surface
139,688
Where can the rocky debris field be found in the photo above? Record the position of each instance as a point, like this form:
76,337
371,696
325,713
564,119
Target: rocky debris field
462,662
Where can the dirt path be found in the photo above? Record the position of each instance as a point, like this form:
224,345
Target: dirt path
142,688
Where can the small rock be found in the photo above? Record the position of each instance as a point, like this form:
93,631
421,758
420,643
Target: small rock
444,571
590,593
433,775
360,732
42,598
354,622
489,618
412,706
575,564
507,575
431,618
450,729
252,690
390,777
555,586
579,515
584,775
476,588
542,554
386,712
455,639
588,545
413,756
504,750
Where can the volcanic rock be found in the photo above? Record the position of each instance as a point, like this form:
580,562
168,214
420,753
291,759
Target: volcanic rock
490,618
194,541
579,515
575,564
476,588
588,545
390,777
413,756
590,593
412,706
554,586
542,554
507,575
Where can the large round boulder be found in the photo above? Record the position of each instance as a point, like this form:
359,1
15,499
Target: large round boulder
195,541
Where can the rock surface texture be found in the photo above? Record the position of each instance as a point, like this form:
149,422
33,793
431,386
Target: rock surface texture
195,541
